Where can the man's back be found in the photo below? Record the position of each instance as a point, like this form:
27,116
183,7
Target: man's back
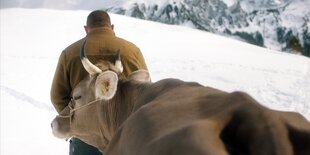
101,44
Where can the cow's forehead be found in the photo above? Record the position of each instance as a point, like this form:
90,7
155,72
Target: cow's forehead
84,85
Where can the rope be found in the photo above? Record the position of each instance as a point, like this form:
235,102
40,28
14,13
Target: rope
83,106
72,110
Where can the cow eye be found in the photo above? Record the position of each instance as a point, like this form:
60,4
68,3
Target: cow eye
77,97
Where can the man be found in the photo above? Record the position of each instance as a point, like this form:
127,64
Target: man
101,43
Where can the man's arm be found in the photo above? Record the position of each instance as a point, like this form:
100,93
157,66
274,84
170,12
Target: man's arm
61,89
132,62
141,60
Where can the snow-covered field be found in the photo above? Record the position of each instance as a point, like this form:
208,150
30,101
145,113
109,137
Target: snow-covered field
32,40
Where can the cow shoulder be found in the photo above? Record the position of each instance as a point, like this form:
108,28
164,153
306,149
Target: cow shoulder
160,88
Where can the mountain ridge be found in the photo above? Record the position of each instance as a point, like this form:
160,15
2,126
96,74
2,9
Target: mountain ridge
269,26
282,25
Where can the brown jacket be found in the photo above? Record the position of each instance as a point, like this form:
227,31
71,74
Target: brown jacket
101,44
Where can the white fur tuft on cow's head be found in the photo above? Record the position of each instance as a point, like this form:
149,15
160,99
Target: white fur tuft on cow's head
106,85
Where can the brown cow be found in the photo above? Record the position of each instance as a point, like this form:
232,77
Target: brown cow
173,117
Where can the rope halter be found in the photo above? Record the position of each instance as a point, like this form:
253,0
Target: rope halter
72,109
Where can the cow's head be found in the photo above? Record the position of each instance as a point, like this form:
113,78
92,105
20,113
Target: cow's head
82,118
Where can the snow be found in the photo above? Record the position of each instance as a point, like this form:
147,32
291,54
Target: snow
296,13
229,3
291,15
32,40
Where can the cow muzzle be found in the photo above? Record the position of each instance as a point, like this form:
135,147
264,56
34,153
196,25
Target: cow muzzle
61,128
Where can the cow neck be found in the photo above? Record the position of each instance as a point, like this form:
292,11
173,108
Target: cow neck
120,107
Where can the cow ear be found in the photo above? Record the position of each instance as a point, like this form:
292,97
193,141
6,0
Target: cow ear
140,75
106,85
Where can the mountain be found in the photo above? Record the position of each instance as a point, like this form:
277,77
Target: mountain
276,24
282,25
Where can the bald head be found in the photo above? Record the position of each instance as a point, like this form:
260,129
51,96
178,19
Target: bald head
98,18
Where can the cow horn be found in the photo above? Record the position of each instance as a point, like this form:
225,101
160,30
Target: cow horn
118,62
89,67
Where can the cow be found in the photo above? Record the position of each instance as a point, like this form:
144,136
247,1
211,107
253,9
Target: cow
135,116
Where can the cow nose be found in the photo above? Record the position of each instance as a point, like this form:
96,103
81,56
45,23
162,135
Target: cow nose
52,125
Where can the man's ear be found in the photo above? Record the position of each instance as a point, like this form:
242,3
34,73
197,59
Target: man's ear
87,29
106,85
140,75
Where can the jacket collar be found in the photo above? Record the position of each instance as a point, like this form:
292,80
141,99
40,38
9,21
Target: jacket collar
101,30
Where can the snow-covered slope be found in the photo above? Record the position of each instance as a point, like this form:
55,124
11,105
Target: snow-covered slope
31,41
282,25
279,25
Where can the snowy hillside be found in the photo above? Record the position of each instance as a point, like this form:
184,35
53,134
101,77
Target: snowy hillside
279,25
32,39
282,25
